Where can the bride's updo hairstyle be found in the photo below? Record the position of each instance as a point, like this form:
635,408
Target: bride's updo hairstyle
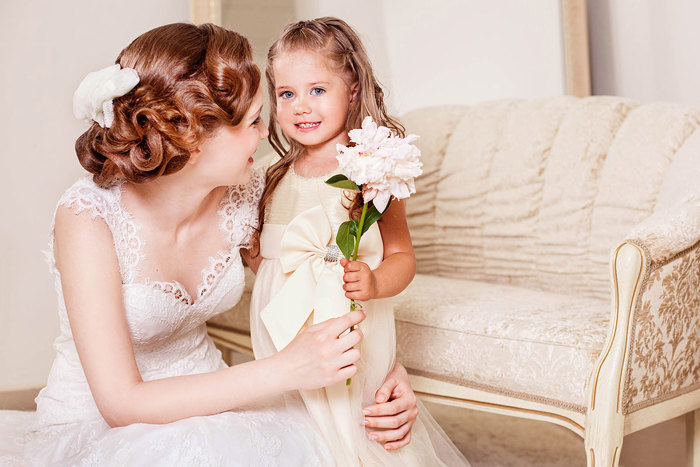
192,80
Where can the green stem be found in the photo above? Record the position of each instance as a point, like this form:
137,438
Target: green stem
359,232
353,305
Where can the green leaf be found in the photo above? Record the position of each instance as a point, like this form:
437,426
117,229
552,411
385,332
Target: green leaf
345,240
341,181
372,216
336,178
353,227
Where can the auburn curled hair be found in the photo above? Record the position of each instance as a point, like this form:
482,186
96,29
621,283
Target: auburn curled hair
341,45
192,80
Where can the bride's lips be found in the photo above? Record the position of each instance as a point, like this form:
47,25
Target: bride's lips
308,126
250,160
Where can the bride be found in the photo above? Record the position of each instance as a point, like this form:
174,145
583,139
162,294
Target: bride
146,250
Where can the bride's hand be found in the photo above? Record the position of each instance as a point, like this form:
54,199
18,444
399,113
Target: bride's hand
395,411
319,356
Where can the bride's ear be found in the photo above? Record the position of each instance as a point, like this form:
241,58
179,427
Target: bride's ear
194,156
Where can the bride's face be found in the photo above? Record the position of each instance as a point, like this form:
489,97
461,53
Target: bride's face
226,156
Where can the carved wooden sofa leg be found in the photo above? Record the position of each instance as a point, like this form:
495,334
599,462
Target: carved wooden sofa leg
604,434
605,422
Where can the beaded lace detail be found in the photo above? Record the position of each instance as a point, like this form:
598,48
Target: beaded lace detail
85,195
239,211
169,338
238,214
165,323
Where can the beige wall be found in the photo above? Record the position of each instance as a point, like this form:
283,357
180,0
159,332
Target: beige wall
455,51
431,53
646,49
47,48
642,49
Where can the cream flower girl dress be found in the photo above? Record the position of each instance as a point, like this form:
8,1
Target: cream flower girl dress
169,337
299,282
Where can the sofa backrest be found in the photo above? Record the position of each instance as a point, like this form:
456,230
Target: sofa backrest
538,192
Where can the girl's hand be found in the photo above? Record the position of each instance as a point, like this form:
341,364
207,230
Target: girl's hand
319,356
395,411
360,282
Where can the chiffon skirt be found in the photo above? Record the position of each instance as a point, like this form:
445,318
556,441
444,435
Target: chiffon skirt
337,409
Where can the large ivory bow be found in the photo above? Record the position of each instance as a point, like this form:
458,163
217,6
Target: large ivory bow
314,284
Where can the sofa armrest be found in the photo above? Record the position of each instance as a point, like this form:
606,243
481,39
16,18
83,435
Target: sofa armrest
663,360
668,233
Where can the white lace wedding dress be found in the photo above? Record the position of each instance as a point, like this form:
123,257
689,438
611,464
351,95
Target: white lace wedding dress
169,338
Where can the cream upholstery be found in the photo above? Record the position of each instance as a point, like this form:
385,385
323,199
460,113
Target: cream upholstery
532,344
513,223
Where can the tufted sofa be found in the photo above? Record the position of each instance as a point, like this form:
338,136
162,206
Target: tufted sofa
558,248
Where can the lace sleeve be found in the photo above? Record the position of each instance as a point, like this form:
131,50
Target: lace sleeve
104,204
240,209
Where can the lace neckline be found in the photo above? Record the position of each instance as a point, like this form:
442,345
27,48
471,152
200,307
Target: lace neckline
324,176
217,263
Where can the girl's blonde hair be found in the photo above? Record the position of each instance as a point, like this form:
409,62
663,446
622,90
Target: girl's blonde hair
338,42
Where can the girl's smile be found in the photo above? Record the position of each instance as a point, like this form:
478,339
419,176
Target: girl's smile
313,99
307,126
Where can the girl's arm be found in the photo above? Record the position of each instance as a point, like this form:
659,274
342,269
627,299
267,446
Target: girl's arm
396,270
91,283
396,409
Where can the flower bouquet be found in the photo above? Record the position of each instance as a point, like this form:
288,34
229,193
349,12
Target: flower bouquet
380,165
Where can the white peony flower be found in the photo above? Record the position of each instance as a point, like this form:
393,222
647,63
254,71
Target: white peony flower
383,163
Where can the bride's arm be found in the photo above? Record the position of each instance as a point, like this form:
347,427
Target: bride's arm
395,410
91,284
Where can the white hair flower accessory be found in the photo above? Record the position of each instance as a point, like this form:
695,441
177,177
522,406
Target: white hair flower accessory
93,98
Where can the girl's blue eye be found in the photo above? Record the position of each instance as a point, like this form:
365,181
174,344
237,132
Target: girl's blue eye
286,94
317,91
256,121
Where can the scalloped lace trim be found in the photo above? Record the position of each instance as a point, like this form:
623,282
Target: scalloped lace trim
238,211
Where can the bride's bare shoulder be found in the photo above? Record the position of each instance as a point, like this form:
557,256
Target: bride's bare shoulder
81,237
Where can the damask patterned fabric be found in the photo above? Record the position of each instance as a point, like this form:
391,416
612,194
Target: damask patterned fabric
671,231
665,345
535,194
538,192
516,341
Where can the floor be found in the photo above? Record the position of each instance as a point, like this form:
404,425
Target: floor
496,440
489,440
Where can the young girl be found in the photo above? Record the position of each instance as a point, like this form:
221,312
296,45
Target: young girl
144,252
321,85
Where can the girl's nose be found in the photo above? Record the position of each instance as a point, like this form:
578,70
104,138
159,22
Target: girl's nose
301,107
